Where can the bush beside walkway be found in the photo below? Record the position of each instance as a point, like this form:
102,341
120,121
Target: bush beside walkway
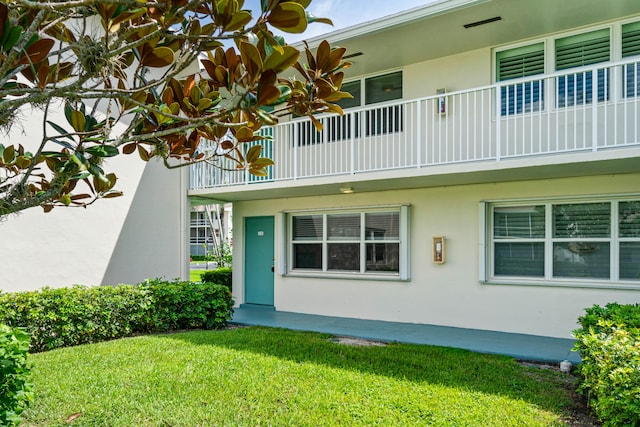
609,343
79,315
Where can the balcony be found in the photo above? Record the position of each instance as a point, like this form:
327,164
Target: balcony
584,110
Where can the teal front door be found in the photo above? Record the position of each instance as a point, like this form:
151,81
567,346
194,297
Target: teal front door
258,260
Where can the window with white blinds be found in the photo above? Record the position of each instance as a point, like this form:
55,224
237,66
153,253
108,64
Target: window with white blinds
368,241
565,53
630,48
594,241
516,63
578,51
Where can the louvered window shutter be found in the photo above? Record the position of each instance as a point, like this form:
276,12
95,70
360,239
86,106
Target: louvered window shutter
517,63
578,51
631,47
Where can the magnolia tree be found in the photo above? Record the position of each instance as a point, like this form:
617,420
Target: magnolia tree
120,69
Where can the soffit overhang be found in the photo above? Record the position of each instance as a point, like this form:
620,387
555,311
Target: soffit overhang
437,29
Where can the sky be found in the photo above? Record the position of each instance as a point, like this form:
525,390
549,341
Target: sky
345,13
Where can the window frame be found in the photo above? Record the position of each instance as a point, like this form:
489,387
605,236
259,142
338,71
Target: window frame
487,273
363,241
549,86
518,98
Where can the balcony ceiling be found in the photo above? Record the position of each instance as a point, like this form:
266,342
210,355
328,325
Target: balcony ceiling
437,29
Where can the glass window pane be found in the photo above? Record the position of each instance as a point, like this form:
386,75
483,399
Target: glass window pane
343,227
582,220
632,80
344,256
307,227
383,88
630,260
581,259
577,89
383,257
354,89
519,259
522,98
629,217
307,255
518,222
382,226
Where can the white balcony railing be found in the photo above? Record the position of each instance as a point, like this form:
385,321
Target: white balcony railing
585,109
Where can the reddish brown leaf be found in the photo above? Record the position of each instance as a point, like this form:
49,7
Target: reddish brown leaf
129,148
158,57
37,51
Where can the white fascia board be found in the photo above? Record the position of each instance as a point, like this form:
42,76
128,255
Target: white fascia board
430,10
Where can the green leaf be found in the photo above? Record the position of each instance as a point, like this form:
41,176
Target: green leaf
62,131
103,151
97,172
77,121
253,153
63,143
279,62
289,17
13,35
8,154
311,18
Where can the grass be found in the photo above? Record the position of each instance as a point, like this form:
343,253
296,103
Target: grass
194,275
271,377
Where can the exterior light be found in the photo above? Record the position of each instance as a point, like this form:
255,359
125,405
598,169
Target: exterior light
346,190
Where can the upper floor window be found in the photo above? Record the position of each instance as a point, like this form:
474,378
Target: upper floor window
516,63
565,53
631,47
578,51
371,122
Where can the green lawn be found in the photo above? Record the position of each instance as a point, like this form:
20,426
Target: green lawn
194,275
272,377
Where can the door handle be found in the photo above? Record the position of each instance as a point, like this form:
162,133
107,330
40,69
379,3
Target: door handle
273,269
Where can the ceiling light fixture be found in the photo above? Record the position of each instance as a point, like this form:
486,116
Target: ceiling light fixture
484,21
346,190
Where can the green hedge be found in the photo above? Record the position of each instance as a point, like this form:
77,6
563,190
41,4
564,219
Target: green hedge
188,305
609,343
78,315
15,373
221,276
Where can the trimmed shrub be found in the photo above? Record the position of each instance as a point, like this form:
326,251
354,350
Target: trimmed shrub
188,305
15,374
609,343
78,315
221,276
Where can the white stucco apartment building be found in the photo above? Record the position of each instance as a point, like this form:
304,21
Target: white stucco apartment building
485,175
143,234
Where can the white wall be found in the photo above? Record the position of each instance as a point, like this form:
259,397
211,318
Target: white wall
121,240
448,294
456,72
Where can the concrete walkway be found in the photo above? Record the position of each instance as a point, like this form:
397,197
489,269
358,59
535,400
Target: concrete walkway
519,346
